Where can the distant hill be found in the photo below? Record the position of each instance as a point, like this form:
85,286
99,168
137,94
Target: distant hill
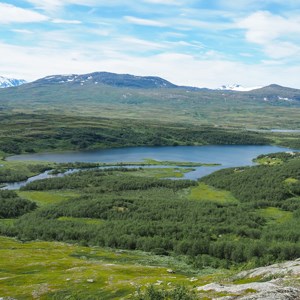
111,79
154,98
10,82
275,92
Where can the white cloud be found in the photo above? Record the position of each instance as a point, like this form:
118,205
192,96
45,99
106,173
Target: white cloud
280,50
22,31
62,21
187,23
263,26
55,5
13,14
164,2
99,32
133,44
48,5
144,22
248,5
276,34
183,69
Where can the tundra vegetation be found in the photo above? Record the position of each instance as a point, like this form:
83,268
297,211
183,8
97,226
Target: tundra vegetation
121,223
133,233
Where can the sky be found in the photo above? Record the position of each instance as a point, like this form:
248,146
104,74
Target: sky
203,43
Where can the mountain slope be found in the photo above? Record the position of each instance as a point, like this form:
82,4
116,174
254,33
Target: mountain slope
10,82
111,79
153,98
277,92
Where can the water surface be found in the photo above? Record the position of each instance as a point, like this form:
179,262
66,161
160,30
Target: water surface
226,156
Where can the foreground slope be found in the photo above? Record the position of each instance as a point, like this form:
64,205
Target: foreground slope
51,270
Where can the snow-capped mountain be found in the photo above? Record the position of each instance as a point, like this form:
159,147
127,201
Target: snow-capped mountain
10,82
237,87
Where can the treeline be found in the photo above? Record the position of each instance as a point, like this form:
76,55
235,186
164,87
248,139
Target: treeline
12,206
41,133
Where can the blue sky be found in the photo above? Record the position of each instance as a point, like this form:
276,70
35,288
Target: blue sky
200,43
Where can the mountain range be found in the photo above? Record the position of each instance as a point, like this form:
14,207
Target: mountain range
154,98
98,81
128,81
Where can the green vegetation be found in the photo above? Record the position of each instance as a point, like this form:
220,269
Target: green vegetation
205,192
27,133
276,158
177,234
232,218
51,270
19,171
239,110
165,173
219,222
261,186
12,206
162,172
153,162
275,215
179,292
46,198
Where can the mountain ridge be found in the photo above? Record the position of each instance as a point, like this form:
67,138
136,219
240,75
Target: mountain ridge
147,82
107,78
97,80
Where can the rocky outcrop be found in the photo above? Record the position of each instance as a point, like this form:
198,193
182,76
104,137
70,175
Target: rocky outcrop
283,293
275,282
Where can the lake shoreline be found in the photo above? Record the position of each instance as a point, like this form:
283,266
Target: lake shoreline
198,157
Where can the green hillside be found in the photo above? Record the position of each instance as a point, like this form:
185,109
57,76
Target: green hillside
269,107
135,229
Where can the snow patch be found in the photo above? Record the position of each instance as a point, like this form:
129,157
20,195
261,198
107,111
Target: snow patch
285,99
10,82
237,87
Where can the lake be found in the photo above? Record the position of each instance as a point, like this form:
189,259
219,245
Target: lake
226,155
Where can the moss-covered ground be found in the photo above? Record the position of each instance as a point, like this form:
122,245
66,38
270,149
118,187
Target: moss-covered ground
51,270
